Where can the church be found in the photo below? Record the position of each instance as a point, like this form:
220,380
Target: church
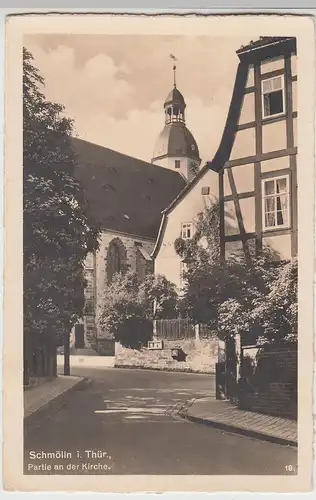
126,197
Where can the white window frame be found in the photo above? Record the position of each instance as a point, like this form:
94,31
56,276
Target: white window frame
184,227
266,117
288,193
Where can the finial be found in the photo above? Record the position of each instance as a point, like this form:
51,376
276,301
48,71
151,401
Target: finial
174,70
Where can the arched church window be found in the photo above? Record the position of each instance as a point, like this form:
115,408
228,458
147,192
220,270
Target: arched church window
115,259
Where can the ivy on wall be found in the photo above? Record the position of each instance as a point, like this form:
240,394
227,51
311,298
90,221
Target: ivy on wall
207,229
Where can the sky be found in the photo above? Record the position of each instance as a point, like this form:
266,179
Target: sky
114,86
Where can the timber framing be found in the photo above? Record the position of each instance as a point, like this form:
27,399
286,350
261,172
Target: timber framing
253,55
266,121
262,157
240,196
221,216
257,163
238,237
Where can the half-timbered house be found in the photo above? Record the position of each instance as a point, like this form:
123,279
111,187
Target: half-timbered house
253,173
257,171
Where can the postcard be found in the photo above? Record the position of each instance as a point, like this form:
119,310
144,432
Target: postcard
159,200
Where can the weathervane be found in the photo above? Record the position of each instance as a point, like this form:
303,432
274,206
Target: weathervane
174,69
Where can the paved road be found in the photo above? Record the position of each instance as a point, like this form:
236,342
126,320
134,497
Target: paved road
124,417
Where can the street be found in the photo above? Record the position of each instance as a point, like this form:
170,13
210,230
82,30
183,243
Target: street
123,423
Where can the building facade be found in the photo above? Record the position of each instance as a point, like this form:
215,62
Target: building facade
125,198
258,184
179,221
253,175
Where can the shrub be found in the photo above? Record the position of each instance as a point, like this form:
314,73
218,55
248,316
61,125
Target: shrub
129,306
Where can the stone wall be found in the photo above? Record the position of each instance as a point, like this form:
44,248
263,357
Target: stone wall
201,356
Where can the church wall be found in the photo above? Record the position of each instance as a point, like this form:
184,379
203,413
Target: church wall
167,261
131,251
96,274
184,170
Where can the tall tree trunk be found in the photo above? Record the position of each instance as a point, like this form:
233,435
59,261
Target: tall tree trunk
26,360
66,354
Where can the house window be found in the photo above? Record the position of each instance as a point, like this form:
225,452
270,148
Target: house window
177,163
205,190
273,96
187,230
276,202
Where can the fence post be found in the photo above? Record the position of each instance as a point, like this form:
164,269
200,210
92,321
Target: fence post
238,356
197,333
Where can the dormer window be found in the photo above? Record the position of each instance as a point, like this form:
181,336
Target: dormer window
273,102
186,230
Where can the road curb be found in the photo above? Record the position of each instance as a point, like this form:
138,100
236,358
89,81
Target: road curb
238,430
175,370
60,398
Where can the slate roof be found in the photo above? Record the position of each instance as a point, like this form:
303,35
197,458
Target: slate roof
176,140
124,194
176,97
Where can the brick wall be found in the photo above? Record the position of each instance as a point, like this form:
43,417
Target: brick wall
272,387
201,356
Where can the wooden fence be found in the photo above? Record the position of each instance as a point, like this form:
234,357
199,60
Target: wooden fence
174,329
180,329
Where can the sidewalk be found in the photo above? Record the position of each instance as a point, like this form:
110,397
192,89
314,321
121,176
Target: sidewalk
39,396
223,415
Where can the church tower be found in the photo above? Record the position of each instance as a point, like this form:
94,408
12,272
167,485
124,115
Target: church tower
176,147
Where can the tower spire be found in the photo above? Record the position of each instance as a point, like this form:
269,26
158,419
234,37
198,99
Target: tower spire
174,70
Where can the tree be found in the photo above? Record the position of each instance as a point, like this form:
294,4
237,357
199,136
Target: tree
222,294
278,313
58,232
159,297
127,310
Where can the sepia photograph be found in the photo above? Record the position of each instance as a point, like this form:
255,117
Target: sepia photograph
160,328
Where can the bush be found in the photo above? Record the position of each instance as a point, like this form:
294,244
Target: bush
129,306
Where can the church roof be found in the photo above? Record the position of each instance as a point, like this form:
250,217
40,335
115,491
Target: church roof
124,194
175,96
176,140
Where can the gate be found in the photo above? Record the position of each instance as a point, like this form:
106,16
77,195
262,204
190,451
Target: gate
79,336
226,372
